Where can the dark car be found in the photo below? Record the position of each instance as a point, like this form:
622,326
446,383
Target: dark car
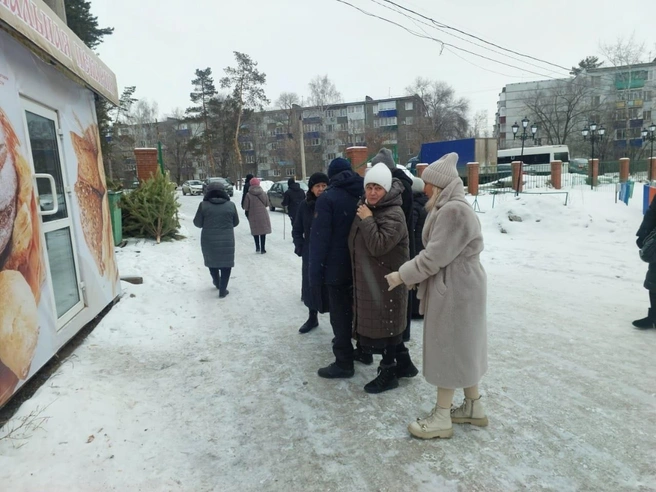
227,185
277,191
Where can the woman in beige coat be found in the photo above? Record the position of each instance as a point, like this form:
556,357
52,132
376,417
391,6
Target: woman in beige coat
452,288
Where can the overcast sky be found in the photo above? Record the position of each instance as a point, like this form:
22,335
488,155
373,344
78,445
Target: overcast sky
158,44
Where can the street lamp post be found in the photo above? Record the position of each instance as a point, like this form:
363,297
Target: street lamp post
523,136
595,135
649,134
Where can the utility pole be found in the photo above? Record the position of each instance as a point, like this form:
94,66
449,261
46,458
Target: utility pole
300,124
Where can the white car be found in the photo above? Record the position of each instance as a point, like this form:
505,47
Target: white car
192,187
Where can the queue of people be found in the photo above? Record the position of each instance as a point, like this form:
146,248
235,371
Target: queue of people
376,252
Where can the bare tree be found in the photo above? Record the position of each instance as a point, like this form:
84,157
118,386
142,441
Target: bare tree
479,125
323,92
446,113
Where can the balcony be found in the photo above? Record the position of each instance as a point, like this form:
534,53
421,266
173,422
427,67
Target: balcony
390,113
635,123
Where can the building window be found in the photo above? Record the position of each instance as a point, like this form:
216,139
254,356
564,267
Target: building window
385,106
247,146
356,109
250,159
330,113
342,112
331,156
409,120
409,105
596,100
289,172
646,115
620,134
279,130
596,80
330,141
330,128
647,96
385,121
313,142
633,113
276,172
311,128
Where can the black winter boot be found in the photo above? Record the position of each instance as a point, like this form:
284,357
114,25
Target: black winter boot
386,380
311,323
223,293
335,371
362,356
404,366
648,322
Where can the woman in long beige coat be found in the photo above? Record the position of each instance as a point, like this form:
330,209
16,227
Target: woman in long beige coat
256,204
452,288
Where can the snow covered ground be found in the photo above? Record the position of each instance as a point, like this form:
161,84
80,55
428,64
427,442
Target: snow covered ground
178,390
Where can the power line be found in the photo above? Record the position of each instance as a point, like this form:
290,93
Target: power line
446,26
425,36
433,26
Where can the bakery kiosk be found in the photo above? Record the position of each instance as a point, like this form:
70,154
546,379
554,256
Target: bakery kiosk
57,263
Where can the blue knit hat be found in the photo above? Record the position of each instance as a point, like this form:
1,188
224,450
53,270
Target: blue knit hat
337,166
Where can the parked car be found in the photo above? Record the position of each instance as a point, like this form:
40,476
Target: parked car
578,165
277,191
192,187
227,185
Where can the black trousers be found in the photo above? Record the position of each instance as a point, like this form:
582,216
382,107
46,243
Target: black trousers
341,319
652,299
260,241
220,277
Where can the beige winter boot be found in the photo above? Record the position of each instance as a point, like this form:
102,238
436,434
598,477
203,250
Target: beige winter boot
437,424
470,412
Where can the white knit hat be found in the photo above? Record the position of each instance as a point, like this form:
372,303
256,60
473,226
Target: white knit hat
443,171
380,175
417,185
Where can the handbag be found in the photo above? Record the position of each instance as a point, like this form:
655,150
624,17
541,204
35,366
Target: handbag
648,250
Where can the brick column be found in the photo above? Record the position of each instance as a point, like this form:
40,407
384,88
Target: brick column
624,169
556,174
652,169
420,169
358,157
517,180
594,166
147,165
473,169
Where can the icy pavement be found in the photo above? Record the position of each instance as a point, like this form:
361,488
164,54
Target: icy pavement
178,390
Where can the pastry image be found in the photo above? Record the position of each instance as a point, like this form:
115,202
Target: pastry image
20,243
8,383
19,325
91,192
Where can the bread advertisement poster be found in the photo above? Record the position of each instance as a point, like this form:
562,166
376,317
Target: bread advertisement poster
57,265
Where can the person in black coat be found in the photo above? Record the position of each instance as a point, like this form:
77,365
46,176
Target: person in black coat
292,198
217,217
247,185
316,300
330,259
385,156
419,213
647,226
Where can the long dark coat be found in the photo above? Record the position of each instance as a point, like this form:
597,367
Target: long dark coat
330,261
379,246
315,298
419,214
256,204
292,199
406,181
648,225
217,217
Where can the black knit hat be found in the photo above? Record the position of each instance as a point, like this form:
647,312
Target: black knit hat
317,178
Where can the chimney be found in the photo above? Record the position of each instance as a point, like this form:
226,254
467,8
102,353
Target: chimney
57,6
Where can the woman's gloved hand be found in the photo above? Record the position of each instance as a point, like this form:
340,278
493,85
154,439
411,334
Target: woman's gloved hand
393,280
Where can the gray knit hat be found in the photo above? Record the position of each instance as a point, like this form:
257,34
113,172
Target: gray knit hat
385,156
443,171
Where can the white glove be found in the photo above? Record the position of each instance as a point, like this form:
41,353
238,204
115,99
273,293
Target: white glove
393,280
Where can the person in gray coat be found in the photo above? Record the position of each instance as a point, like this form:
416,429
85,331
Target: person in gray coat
217,217
452,289
256,204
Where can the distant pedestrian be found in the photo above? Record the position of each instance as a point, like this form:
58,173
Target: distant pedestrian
419,213
247,184
256,205
316,299
330,261
378,243
646,227
217,217
386,157
292,198
453,291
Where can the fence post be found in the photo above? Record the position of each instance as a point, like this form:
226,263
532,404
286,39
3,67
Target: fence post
594,164
652,169
420,169
556,174
624,169
517,180
473,169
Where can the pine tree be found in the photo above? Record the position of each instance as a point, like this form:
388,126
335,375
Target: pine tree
151,211
204,91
